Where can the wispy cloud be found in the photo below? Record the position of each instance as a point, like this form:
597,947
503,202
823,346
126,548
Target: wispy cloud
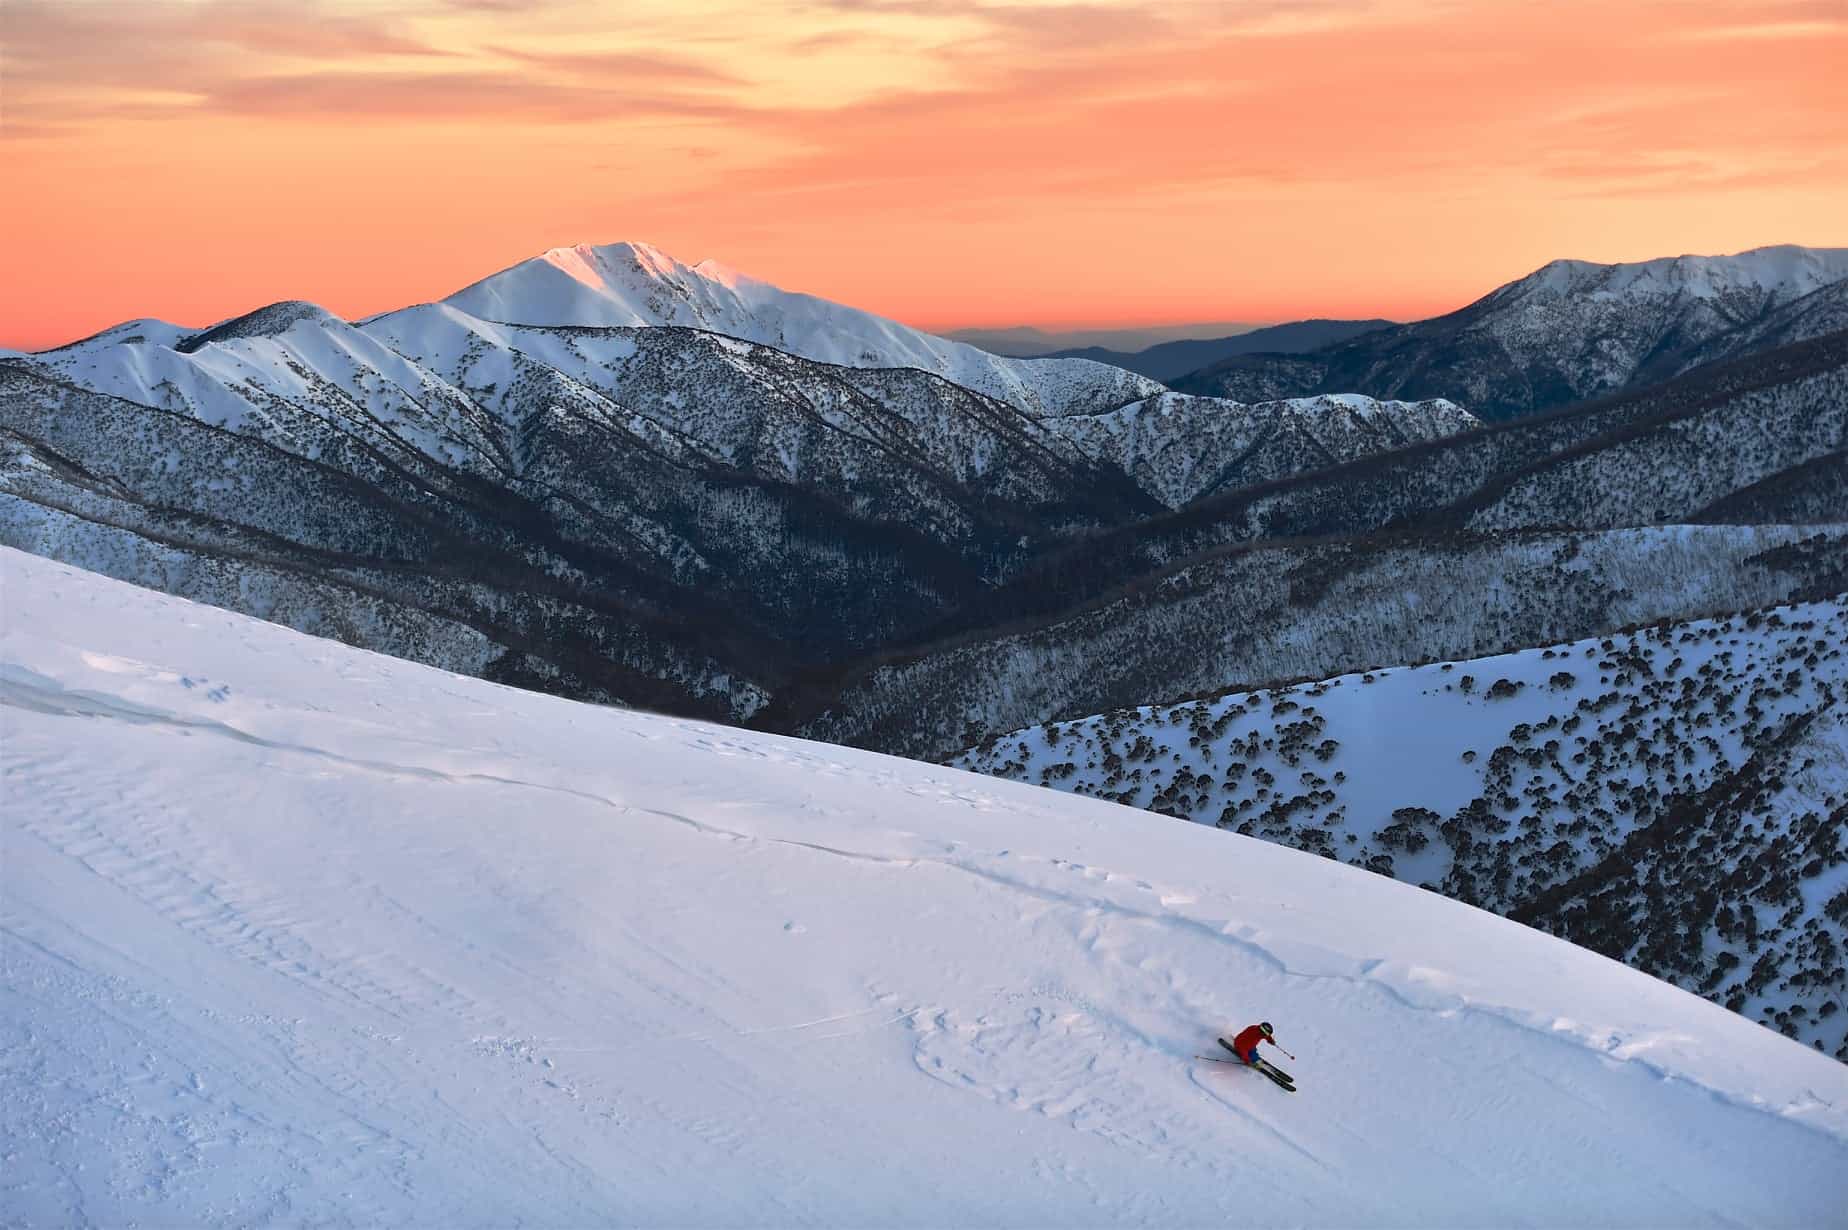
82,42
628,65
1769,30
509,97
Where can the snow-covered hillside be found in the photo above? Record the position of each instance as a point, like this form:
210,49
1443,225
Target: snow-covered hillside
1568,331
634,284
297,933
1676,797
1816,314
1180,448
1613,320
1242,619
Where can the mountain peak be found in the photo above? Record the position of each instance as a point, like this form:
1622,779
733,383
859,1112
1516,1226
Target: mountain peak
595,266
723,274
636,285
266,321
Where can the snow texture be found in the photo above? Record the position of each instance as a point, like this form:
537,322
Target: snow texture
295,933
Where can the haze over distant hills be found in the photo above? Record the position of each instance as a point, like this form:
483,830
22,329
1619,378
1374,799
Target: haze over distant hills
1174,359
1028,342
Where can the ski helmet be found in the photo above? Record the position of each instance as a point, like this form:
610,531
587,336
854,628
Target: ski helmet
1265,1026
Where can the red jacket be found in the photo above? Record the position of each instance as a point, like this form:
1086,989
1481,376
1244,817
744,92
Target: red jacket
1246,1044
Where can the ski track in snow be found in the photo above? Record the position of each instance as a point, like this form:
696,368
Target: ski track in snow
298,933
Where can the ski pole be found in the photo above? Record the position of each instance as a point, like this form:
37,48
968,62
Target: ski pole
1292,1057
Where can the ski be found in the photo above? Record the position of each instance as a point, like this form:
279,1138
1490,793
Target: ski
1271,1068
1282,1079
1278,1077
1266,1066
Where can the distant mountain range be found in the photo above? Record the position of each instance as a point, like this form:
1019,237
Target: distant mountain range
1568,331
652,502
1171,360
1027,342
680,486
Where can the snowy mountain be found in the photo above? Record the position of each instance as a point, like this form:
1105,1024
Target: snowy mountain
611,488
296,933
1673,452
1675,798
1569,331
654,515
632,284
670,517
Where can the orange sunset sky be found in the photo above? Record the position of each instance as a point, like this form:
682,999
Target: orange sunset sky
948,163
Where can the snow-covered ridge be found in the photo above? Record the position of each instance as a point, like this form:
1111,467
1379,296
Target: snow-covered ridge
1180,447
1604,323
301,933
445,383
634,284
1569,331
1785,270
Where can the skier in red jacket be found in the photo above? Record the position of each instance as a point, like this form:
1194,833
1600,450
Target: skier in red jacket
1245,1044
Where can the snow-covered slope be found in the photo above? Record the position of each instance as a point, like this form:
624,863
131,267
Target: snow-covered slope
1785,271
633,284
1180,448
295,933
1613,321
1818,313
1676,798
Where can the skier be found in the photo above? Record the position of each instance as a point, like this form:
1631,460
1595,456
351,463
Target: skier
1245,1043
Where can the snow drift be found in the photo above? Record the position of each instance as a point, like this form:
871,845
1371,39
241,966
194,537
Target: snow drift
295,932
